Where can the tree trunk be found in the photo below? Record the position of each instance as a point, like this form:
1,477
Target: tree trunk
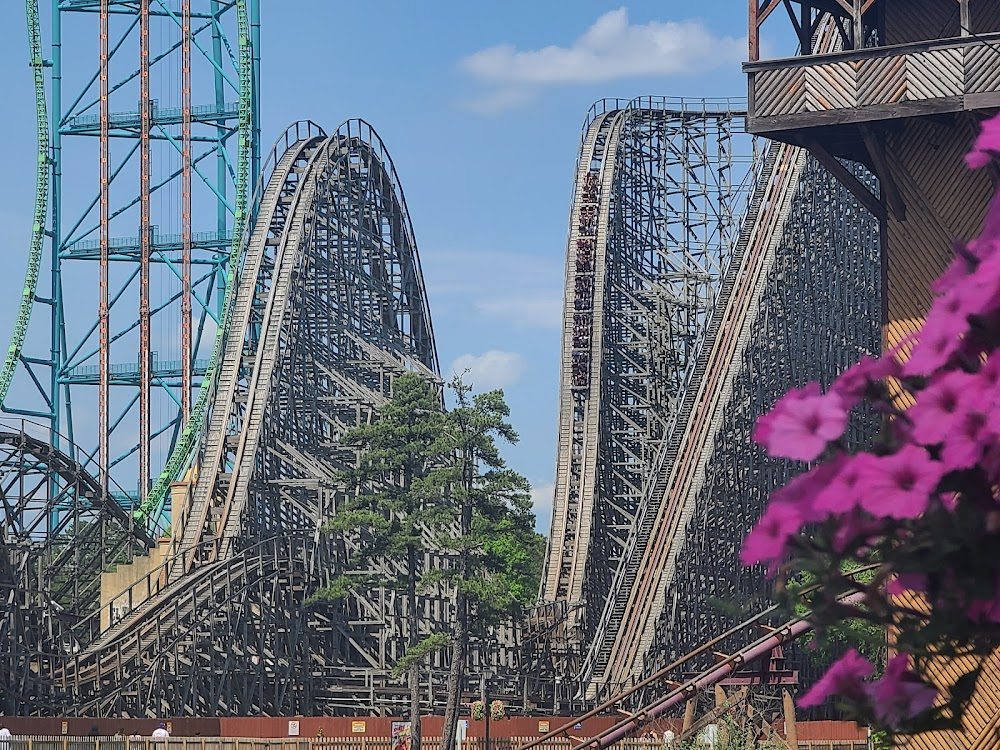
414,671
460,636
459,643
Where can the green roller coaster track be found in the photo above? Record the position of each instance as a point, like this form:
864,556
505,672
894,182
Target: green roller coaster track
185,447
186,444
41,204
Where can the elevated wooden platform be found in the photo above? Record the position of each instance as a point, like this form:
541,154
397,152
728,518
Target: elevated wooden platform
937,77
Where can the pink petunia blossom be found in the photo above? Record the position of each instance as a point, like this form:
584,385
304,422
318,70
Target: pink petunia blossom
940,407
940,337
852,383
979,294
905,582
769,538
958,271
987,145
964,446
803,490
841,493
802,423
854,530
991,224
843,678
899,485
900,694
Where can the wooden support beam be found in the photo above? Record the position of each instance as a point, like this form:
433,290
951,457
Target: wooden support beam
720,695
791,733
965,22
887,183
689,713
765,11
846,178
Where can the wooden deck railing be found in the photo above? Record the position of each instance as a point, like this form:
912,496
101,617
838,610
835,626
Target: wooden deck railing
879,83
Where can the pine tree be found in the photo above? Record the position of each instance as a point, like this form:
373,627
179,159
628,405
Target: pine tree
497,552
398,510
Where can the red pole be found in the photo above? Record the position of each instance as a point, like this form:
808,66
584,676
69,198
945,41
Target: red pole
103,355
186,213
144,252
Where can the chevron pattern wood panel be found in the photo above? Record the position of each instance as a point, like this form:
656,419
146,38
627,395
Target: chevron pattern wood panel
934,74
882,81
831,86
878,81
982,69
779,92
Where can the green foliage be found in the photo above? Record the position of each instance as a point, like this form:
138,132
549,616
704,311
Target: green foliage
398,500
499,553
416,654
431,482
824,647
733,737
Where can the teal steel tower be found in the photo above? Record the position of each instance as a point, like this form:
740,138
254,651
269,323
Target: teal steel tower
148,143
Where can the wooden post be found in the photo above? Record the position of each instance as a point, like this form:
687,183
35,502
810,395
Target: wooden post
858,29
753,34
791,733
805,27
689,713
720,695
964,19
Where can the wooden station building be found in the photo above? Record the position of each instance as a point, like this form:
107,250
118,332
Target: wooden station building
901,87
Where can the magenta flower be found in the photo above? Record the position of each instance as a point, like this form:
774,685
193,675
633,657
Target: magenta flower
769,538
854,530
852,383
803,490
900,694
801,424
940,407
899,485
991,224
907,582
841,493
987,145
964,446
940,338
956,273
843,678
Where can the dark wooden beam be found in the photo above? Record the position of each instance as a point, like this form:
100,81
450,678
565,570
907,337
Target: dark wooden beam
846,178
794,121
887,183
765,11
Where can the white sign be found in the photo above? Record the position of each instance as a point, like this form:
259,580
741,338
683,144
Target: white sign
293,728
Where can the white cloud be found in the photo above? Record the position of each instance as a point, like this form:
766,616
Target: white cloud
541,500
611,49
493,369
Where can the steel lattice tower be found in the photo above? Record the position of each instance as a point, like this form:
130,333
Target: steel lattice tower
148,138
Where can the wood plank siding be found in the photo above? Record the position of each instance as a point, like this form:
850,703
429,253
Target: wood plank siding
881,83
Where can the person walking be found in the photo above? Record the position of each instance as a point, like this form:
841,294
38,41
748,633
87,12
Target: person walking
161,733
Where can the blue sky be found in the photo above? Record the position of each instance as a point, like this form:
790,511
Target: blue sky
480,105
